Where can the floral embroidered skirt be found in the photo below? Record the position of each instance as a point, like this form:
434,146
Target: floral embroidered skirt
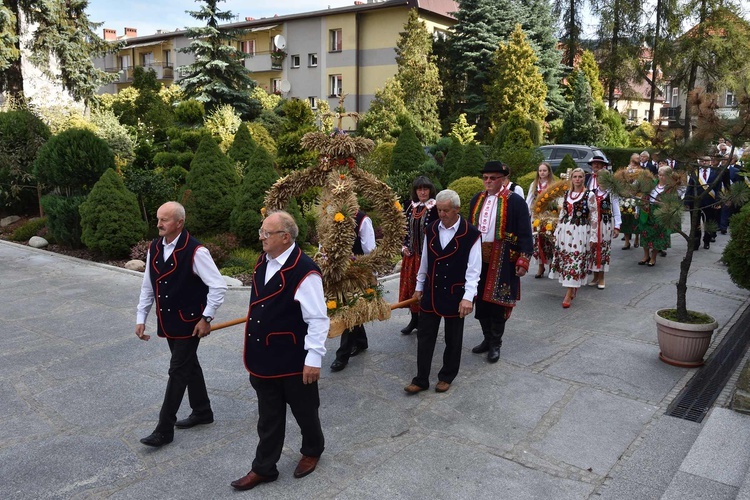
572,254
544,247
409,269
601,252
654,236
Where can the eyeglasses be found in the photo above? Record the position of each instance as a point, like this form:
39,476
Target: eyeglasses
492,178
265,234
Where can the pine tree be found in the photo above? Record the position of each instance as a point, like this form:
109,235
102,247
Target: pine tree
418,75
209,190
218,75
110,217
515,83
580,125
246,218
570,12
381,121
61,31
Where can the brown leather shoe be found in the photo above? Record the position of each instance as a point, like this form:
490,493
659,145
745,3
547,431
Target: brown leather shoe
414,388
305,466
251,480
442,386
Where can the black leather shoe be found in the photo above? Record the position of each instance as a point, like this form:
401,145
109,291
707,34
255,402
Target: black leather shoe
192,421
723,231
337,366
157,439
713,239
706,245
481,348
662,253
356,350
411,326
493,354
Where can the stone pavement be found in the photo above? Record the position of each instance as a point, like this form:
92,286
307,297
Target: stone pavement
573,410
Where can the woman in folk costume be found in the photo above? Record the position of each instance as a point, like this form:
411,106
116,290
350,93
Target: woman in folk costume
654,236
419,214
629,225
575,233
543,247
608,223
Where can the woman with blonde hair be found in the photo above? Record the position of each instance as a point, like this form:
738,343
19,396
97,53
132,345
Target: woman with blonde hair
543,247
575,233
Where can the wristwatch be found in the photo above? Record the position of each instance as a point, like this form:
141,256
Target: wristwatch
207,319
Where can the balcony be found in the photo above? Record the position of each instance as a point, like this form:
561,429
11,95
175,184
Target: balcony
164,71
264,61
671,114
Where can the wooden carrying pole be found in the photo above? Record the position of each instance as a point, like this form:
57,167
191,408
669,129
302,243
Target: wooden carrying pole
238,321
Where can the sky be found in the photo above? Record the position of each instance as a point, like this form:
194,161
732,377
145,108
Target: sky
147,16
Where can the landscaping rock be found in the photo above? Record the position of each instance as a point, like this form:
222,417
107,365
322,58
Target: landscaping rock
7,221
38,242
232,282
135,265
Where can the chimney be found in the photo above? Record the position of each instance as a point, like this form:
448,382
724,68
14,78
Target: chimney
249,19
357,2
131,32
110,34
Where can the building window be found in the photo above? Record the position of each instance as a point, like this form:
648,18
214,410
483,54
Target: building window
124,62
675,96
439,34
312,60
633,115
248,47
147,59
731,99
276,85
294,61
313,101
335,39
335,84
167,58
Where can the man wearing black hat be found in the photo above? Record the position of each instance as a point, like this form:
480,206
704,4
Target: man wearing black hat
502,218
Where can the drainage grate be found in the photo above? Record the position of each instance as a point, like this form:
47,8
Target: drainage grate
701,392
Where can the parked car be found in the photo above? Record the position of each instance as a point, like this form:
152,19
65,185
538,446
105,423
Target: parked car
554,153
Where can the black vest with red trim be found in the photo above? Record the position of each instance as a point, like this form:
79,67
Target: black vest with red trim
275,331
179,293
446,269
357,249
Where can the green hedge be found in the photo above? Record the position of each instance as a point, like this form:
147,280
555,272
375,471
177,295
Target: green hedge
466,187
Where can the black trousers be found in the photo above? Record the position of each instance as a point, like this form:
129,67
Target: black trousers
429,324
709,214
184,373
350,338
493,328
273,396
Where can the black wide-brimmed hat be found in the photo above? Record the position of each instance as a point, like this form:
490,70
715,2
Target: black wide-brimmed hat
496,167
598,158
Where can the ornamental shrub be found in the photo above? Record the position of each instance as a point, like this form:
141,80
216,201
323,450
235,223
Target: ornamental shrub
22,134
190,112
466,187
408,153
566,163
242,148
110,217
736,254
211,182
246,217
30,228
63,218
73,161
453,160
471,164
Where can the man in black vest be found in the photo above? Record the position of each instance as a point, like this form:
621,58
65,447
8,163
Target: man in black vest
704,192
354,341
502,218
183,280
446,285
287,325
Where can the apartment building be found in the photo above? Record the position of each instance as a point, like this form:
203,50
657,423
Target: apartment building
310,56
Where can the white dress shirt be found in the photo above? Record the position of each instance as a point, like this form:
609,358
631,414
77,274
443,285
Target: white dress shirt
473,268
311,299
203,266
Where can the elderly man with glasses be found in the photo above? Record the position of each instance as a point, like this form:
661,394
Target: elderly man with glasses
502,218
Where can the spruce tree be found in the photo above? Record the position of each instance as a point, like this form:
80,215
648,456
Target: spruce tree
218,75
580,124
471,164
209,190
418,75
462,131
515,83
298,119
590,69
453,160
246,217
110,217
571,14
60,31
381,121
243,148
408,153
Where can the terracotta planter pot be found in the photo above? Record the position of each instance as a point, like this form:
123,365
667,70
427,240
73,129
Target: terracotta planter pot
683,344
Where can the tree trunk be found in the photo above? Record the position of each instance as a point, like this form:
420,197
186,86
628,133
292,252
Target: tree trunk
13,77
654,64
613,54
